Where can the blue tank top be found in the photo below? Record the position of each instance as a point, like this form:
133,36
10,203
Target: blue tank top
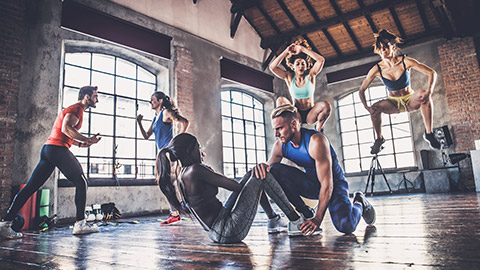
401,83
163,131
301,92
302,158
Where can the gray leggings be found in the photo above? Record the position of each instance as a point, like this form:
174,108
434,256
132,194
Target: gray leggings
236,216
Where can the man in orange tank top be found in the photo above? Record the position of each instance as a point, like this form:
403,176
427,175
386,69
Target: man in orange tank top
56,153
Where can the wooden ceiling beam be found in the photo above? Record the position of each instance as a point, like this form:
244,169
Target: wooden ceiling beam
367,16
411,40
345,24
234,23
242,5
398,23
442,18
270,21
385,4
295,23
423,16
254,27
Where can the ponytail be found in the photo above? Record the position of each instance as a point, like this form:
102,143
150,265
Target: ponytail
167,103
164,179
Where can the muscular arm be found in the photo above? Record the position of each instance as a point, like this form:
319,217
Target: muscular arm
372,73
68,129
274,65
146,134
432,74
319,61
319,150
260,171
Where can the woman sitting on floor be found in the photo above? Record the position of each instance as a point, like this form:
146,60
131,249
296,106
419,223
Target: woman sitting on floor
197,186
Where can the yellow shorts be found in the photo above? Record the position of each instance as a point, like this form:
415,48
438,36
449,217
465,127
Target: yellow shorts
401,102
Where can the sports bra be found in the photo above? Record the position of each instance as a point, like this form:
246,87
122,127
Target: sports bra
398,84
301,92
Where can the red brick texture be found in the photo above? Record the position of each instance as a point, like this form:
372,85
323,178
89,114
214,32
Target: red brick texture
461,78
184,85
11,32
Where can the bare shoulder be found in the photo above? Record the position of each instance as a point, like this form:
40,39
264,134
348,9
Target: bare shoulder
319,146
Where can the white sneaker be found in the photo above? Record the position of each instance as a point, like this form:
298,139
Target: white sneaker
294,228
6,231
82,227
276,224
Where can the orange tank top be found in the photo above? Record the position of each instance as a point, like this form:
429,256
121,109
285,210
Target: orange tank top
57,137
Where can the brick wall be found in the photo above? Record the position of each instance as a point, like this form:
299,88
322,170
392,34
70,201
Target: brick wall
11,29
461,78
184,85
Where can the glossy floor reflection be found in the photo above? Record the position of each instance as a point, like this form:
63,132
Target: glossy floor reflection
412,231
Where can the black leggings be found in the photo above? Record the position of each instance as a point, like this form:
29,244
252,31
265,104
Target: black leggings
53,156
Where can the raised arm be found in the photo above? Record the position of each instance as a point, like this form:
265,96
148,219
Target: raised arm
146,134
319,150
319,60
275,64
372,73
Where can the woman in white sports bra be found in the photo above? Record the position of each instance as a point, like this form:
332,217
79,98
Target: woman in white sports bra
301,82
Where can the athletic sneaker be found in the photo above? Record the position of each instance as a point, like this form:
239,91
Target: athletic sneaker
377,146
294,228
6,231
171,219
82,227
432,141
276,224
368,213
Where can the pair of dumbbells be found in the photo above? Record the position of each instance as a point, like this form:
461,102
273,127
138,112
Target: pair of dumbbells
93,212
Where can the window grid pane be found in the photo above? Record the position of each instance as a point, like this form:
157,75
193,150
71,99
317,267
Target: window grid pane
357,134
124,90
243,131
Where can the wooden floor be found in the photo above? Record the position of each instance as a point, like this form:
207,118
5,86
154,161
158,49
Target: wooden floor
416,231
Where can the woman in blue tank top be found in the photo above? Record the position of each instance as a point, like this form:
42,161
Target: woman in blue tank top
300,80
162,127
394,71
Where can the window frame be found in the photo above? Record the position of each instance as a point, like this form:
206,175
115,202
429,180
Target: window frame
390,126
110,179
245,148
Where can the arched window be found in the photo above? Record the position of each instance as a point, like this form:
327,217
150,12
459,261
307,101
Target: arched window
243,132
124,90
357,134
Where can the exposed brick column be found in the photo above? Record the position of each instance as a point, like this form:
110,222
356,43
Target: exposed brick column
461,78
11,34
184,85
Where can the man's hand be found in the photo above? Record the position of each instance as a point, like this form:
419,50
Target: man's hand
93,140
309,226
139,118
260,170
